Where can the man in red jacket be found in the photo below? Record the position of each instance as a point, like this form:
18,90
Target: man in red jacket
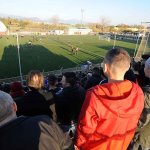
110,112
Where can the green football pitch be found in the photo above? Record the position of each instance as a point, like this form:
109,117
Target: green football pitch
52,52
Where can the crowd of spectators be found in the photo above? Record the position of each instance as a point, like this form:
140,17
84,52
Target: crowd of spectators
40,113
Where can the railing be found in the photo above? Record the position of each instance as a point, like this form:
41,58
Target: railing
56,72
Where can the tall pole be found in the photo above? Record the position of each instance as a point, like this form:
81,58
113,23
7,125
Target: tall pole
82,11
114,40
18,48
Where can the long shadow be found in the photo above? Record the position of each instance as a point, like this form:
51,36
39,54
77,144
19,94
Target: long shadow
90,53
107,48
32,57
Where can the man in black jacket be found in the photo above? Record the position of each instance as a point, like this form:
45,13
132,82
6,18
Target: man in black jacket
28,133
69,102
141,140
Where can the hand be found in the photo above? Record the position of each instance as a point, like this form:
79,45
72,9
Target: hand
76,148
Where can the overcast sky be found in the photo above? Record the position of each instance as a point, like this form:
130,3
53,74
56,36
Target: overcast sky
118,11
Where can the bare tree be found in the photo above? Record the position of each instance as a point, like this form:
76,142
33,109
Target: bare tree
104,23
55,19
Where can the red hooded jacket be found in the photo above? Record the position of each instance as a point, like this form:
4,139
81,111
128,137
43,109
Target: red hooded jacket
109,116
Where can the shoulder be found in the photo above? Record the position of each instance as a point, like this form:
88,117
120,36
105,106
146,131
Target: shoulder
146,89
95,91
38,120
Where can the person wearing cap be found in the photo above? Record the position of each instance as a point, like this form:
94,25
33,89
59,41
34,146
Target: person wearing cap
142,136
28,133
110,111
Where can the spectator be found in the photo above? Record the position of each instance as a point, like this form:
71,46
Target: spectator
16,90
69,101
94,79
129,75
53,81
141,139
6,87
34,103
139,67
55,90
110,112
28,133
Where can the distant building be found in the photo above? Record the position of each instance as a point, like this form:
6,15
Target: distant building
56,32
3,28
78,31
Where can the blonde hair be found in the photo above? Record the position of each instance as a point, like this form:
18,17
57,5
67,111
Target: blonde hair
35,79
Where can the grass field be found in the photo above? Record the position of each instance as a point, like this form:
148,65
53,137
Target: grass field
52,52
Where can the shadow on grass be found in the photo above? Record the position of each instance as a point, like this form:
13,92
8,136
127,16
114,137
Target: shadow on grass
32,57
107,48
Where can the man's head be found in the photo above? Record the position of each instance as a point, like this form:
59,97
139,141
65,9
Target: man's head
35,79
52,80
96,71
7,108
116,63
69,79
147,68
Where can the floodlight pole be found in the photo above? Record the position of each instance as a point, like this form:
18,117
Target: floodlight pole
82,11
114,41
18,48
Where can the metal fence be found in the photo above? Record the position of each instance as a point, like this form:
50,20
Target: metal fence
56,72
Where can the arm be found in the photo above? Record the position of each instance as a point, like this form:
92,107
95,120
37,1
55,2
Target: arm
87,121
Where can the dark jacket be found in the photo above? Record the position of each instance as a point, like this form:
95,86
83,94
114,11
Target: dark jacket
33,133
93,81
33,103
129,75
68,104
142,135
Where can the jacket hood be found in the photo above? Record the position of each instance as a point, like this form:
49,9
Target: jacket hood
120,97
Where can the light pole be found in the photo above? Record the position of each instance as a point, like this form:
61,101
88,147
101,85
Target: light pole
18,48
82,11
114,41
116,29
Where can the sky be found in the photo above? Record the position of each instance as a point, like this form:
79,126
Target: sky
117,11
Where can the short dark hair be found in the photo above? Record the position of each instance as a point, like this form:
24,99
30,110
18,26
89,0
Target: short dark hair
118,57
70,78
96,70
145,56
52,79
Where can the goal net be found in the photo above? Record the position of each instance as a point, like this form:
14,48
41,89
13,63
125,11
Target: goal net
104,36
